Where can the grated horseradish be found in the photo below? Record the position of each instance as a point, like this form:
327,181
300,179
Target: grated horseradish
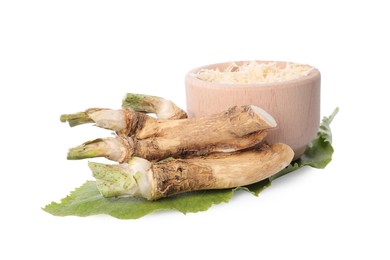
254,72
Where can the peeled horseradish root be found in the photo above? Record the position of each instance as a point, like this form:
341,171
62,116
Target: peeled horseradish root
220,151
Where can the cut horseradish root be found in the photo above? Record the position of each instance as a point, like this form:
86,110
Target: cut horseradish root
238,128
113,119
164,109
141,178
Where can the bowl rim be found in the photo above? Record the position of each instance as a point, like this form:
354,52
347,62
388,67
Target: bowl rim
313,74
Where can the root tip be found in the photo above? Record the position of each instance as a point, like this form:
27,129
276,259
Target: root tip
63,118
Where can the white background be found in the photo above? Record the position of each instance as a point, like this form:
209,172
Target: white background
65,56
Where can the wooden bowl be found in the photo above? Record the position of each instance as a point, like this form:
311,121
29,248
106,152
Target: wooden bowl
295,104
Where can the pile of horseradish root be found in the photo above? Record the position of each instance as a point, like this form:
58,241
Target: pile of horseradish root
170,154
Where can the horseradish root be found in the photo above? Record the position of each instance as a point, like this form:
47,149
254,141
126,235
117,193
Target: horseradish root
164,109
239,119
238,128
116,120
154,180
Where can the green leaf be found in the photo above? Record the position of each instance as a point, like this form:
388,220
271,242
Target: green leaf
319,151
87,200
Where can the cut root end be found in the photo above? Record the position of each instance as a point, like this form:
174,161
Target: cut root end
164,109
90,149
76,119
265,117
116,149
123,180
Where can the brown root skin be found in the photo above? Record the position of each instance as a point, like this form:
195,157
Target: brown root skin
169,177
235,129
237,121
238,128
178,176
240,121
135,123
158,148
219,171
